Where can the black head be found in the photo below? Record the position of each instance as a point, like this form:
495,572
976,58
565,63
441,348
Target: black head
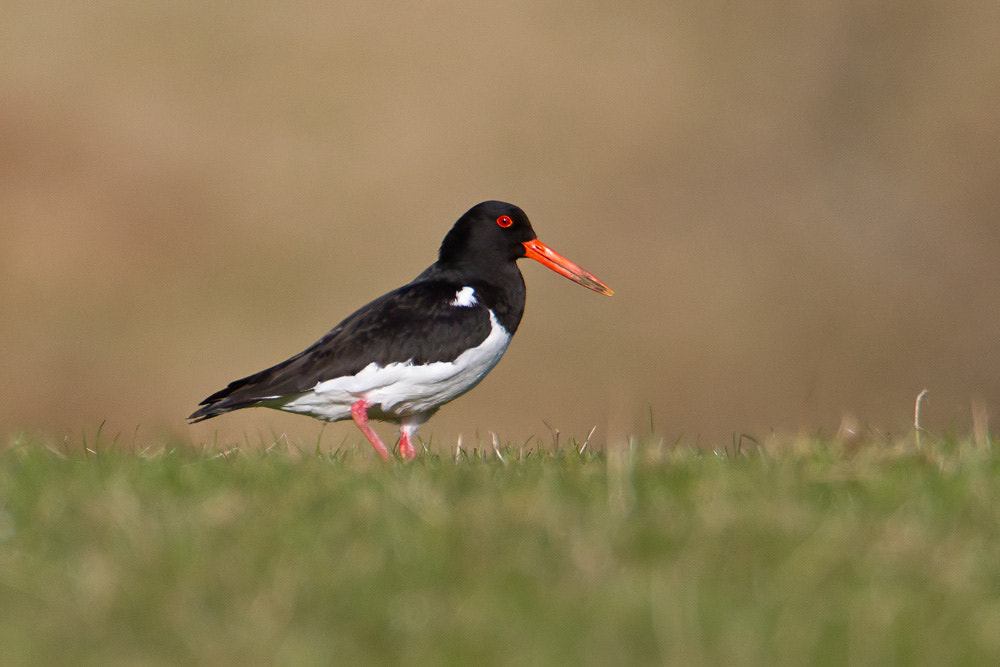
495,234
490,233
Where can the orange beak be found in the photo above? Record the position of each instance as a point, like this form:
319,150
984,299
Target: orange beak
540,252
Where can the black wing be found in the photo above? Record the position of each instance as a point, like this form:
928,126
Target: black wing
416,322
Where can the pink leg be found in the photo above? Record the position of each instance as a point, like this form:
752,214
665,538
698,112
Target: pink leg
359,412
408,434
406,449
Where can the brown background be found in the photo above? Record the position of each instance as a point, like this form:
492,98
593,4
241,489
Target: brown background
796,203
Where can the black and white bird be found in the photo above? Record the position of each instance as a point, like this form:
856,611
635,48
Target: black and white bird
409,352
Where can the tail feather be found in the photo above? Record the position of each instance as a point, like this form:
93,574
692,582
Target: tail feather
214,410
224,401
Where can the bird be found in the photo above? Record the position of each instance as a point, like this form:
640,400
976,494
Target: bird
404,355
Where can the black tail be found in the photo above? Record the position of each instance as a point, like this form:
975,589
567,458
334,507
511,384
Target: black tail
281,380
222,402
214,409
209,411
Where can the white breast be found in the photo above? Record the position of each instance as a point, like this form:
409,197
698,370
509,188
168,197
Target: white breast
405,388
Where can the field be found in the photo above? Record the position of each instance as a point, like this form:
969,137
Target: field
791,552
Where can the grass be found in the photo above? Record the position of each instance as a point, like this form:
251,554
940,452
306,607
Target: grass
797,552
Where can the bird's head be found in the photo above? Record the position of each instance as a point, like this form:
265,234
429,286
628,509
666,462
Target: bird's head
494,233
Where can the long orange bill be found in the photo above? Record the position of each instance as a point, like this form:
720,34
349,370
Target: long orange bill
540,252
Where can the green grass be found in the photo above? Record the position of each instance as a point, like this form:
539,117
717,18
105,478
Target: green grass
797,553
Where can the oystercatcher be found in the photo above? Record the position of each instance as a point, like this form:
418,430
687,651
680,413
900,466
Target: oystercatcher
409,352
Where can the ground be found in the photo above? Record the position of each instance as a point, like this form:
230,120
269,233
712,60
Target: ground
801,551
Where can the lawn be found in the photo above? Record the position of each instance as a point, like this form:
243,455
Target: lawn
802,551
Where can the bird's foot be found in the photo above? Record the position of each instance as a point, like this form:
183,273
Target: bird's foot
406,449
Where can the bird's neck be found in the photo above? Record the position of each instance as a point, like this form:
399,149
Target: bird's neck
501,288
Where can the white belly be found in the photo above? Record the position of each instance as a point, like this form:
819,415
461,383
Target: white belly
404,388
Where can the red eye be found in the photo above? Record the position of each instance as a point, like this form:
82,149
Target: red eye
505,221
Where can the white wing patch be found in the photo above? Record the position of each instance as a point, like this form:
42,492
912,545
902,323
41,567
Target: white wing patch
465,298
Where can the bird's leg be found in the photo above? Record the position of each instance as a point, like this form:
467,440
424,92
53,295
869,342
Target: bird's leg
406,434
359,412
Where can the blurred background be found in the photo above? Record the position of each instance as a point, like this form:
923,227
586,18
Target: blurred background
796,203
